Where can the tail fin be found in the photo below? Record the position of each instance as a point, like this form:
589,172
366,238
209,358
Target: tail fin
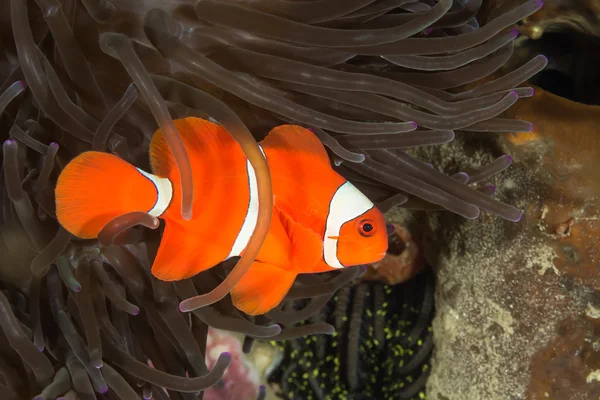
96,187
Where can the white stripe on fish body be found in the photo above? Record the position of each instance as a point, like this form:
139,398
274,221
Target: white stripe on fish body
243,237
164,193
347,203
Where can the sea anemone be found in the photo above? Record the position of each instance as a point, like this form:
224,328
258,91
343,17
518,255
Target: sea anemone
372,79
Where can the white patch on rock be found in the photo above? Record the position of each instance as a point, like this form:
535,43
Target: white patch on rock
592,311
593,376
543,258
502,317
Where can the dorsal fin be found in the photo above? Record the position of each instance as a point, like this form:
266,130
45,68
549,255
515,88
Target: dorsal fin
296,141
201,139
303,179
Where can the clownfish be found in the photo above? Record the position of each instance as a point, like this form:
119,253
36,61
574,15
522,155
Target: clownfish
321,222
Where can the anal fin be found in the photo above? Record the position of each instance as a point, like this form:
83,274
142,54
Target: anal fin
262,288
178,256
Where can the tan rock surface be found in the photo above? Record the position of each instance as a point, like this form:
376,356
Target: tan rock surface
517,302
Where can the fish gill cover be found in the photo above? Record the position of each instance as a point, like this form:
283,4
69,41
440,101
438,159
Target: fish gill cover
85,318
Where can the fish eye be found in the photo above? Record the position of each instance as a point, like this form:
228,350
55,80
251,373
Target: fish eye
366,228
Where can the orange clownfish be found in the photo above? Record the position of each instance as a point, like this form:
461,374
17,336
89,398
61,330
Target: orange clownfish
320,222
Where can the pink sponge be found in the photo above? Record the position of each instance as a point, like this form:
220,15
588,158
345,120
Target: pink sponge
241,380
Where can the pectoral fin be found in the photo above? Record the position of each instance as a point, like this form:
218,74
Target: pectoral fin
307,245
262,288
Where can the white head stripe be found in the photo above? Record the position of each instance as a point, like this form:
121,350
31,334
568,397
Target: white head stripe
243,237
347,203
164,193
